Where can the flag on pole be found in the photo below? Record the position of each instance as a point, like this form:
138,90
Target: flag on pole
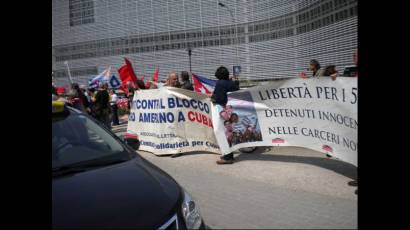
104,76
127,75
127,72
69,73
203,85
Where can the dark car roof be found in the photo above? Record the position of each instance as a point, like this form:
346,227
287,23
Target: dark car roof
133,194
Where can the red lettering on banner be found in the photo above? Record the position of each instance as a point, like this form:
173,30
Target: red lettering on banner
190,116
204,120
200,118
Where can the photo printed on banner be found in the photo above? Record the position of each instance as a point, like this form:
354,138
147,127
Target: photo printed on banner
240,120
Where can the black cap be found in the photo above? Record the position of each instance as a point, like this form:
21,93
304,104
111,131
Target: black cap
314,62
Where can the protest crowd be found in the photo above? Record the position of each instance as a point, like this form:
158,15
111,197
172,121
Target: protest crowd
106,103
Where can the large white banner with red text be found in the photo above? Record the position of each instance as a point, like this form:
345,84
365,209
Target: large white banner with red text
319,114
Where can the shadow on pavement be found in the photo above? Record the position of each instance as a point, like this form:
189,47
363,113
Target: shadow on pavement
185,154
337,166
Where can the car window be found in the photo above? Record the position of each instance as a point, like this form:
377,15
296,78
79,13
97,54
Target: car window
77,138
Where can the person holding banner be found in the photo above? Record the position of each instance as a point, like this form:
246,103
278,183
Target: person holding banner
140,84
330,71
314,66
131,91
186,84
220,99
172,80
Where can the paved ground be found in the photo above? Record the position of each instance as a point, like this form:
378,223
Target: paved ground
276,188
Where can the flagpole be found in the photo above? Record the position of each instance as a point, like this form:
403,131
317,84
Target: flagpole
68,70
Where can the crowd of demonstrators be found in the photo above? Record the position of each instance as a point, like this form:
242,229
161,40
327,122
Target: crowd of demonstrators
103,104
330,70
100,102
173,81
220,98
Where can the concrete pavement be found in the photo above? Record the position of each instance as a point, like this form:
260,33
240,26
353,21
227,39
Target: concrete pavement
277,188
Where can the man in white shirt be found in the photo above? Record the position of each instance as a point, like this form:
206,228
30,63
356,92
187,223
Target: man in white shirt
113,103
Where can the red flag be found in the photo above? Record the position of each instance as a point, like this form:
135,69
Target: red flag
127,75
155,77
131,70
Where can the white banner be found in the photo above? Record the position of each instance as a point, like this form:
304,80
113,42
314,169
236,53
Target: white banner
315,113
171,120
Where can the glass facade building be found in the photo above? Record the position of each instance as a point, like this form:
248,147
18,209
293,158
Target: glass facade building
267,38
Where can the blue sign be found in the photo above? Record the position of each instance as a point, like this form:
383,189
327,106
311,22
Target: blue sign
236,70
114,82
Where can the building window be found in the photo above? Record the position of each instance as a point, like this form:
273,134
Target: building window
289,32
250,28
81,13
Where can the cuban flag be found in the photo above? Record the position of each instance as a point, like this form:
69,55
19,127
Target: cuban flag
104,76
203,85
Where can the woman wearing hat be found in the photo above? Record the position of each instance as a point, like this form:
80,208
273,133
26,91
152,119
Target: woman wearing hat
314,66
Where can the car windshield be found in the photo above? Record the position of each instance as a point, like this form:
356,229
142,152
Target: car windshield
77,139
